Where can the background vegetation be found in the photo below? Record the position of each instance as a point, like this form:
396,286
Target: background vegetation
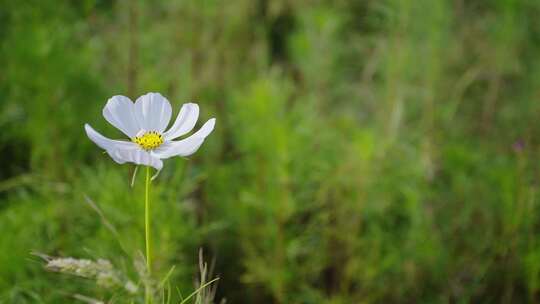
377,151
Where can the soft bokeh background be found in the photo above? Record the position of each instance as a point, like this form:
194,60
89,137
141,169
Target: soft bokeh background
377,151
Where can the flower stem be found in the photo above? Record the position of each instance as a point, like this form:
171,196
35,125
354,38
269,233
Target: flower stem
148,296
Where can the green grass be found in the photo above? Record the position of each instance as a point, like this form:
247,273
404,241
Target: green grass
364,152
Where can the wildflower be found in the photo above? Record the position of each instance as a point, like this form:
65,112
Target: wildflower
144,122
519,145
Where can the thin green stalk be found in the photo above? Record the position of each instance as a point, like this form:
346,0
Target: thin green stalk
148,296
198,290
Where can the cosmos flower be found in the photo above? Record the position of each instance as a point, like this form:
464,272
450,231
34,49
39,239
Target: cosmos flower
144,122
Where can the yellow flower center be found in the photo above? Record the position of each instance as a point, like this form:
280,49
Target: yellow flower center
149,140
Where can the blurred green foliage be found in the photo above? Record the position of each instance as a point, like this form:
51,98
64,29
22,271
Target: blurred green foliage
378,151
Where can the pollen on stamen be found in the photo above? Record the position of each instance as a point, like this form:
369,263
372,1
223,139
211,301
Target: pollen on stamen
149,140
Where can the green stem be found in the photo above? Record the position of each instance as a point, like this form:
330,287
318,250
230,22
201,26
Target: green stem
198,290
148,295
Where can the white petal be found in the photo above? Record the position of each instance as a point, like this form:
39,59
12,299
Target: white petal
153,112
186,146
123,151
206,129
185,121
107,143
183,147
119,112
139,157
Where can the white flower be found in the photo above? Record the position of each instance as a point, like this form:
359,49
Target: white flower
144,122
